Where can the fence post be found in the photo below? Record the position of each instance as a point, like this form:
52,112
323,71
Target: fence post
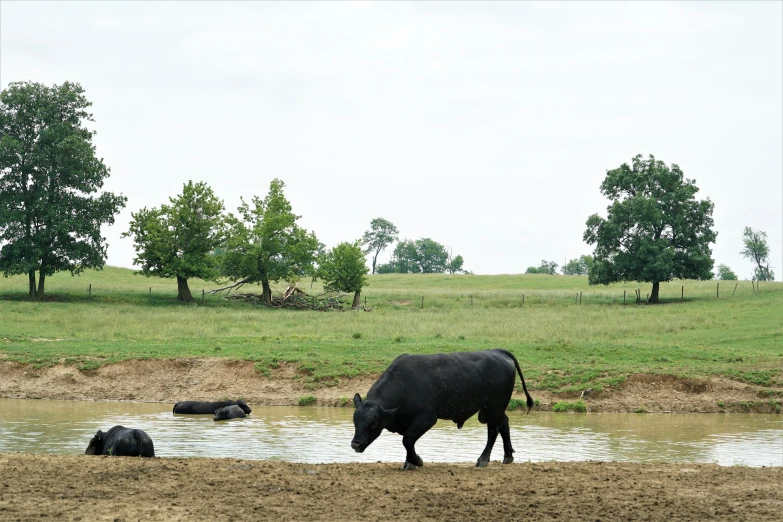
422,301
735,289
717,291
523,299
576,300
202,296
365,302
89,292
580,297
623,297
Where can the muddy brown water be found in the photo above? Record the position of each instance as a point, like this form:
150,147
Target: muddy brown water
323,435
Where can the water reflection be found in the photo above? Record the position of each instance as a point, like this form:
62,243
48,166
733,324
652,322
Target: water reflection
323,435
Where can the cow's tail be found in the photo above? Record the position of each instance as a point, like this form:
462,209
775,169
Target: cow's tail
519,371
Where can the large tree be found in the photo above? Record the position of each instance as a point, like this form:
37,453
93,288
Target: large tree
382,233
344,269
757,250
179,240
655,229
266,244
420,256
50,212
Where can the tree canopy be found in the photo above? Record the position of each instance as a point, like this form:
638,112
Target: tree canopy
655,229
757,250
179,240
344,269
578,266
545,267
421,256
382,233
724,273
50,217
266,244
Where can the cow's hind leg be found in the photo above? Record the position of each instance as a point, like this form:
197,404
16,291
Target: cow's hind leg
508,451
494,423
419,427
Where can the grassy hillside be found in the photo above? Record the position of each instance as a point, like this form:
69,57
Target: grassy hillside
560,343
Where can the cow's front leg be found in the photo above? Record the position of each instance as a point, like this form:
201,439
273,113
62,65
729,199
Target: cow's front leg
419,427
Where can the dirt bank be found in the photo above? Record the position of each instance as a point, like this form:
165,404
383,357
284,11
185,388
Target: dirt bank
212,379
115,488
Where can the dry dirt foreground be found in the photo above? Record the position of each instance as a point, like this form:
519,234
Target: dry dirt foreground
215,379
34,487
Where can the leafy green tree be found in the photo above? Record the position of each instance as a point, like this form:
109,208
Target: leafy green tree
757,250
454,264
382,233
655,229
50,219
344,269
726,274
421,256
180,240
578,266
546,267
266,244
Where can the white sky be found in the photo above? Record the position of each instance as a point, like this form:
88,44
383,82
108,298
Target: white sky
487,127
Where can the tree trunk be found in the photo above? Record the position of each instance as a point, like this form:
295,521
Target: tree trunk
41,281
31,277
183,291
654,295
374,259
356,297
266,293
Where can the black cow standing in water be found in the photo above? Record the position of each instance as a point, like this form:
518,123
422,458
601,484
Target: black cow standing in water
207,408
229,412
120,441
417,390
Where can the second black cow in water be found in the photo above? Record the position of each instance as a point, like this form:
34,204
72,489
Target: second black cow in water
417,390
229,412
207,408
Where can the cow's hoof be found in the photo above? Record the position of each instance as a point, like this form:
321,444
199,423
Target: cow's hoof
408,466
508,460
482,463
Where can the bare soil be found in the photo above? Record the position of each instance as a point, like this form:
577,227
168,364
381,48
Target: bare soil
34,487
215,379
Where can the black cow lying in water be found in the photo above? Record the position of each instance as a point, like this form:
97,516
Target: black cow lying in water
417,390
229,412
120,441
207,408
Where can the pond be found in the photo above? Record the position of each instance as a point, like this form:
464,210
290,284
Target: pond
323,435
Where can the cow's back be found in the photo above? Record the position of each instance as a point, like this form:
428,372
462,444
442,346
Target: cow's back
452,385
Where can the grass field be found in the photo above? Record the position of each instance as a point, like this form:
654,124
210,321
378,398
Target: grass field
560,343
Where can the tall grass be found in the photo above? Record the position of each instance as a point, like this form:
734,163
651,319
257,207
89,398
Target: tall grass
560,343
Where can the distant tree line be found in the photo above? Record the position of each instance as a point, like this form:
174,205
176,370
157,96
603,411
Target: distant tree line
51,214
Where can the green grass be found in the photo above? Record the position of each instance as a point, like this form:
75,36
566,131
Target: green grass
561,345
307,401
564,406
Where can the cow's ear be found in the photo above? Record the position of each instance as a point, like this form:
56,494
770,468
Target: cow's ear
357,400
391,411
99,435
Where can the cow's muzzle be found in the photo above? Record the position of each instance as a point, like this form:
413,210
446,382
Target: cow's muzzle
358,447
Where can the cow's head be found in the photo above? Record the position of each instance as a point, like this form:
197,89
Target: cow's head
369,419
95,447
242,404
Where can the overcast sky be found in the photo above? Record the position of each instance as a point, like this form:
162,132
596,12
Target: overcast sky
487,127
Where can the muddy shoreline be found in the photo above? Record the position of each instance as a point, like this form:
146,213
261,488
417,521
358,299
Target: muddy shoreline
174,380
34,487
